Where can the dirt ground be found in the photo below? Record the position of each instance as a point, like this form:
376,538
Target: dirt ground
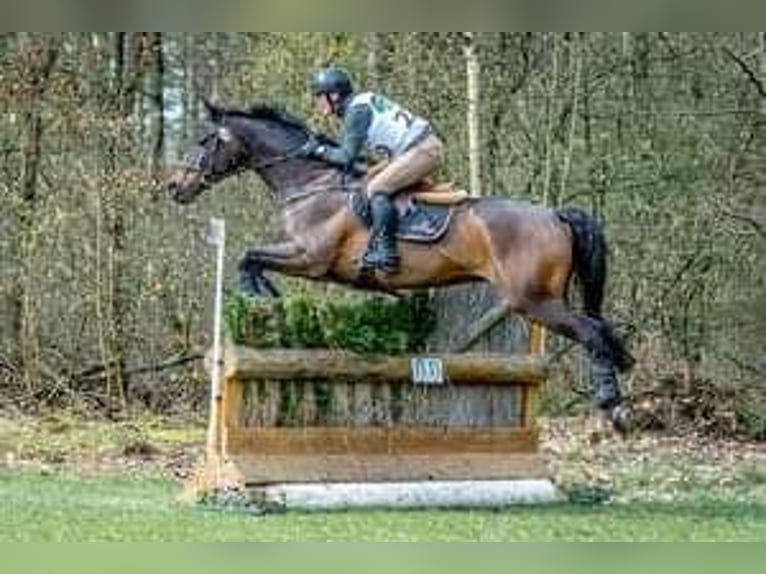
584,457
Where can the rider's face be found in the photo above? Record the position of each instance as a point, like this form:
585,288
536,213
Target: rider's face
323,104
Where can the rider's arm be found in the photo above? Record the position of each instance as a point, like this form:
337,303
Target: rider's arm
356,123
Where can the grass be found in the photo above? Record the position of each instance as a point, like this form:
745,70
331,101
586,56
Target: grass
70,479
54,507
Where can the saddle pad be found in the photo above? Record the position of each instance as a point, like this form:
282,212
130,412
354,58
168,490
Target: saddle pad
418,222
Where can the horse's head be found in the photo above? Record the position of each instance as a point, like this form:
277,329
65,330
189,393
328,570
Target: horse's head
217,154
265,139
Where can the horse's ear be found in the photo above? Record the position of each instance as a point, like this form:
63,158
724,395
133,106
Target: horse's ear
215,113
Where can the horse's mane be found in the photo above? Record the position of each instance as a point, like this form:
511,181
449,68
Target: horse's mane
277,114
280,115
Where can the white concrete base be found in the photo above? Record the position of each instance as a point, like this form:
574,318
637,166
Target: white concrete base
401,495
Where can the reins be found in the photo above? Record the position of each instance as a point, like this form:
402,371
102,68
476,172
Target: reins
305,192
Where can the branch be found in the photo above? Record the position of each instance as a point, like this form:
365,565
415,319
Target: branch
98,371
6,364
751,74
690,261
744,366
752,221
167,364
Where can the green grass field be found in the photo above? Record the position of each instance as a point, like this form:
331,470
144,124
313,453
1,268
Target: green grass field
38,507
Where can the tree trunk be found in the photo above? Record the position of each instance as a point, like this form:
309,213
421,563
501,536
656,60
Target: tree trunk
374,54
762,68
40,62
189,96
112,298
40,54
156,83
214,70
550,119
575,61
118,54
133,73
473,70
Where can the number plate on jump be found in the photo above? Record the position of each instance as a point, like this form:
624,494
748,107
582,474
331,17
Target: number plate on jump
426,371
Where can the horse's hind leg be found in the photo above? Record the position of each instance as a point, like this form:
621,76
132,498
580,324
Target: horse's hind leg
622,358
592,333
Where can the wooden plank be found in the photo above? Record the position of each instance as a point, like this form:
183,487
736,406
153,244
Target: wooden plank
388,405
323,401
378,441
361,405
232,403
536,339
296,364
307,407
467,408
485,323
271,400
341,403
462,405
381,405
271,469
506,405
530,404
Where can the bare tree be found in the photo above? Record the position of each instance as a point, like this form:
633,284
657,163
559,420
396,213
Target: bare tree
473,71
551,98
156,92
374,54
762,69
39,54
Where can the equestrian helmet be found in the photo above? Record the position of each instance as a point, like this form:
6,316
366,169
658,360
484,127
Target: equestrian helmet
332,81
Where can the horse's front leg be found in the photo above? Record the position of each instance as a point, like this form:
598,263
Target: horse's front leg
288,258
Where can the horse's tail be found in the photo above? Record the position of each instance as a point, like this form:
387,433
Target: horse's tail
589,256
589,260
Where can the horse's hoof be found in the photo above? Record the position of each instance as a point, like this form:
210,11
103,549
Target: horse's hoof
252,288
248,289
625,362
621,419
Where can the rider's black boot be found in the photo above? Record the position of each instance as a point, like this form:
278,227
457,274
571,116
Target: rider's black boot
381,251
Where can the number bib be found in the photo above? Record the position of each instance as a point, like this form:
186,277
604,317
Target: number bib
393,128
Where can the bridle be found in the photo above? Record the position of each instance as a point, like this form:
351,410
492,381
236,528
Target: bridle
198,159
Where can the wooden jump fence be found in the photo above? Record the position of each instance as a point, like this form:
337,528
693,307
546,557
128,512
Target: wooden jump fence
323,429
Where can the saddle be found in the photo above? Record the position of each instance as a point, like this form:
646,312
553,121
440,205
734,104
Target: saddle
424,209
441,193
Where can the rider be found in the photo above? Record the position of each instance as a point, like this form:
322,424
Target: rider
384,126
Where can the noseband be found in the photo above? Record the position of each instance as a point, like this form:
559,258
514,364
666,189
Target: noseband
198,158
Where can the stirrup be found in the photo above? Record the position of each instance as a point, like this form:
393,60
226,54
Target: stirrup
384,263
380,258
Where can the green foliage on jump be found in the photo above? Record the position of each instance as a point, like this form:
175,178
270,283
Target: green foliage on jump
301,319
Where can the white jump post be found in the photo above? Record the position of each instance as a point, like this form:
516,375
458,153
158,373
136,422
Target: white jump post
217,238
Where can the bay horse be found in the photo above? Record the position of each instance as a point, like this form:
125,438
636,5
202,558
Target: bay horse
528,253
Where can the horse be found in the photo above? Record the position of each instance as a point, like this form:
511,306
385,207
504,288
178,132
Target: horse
528,253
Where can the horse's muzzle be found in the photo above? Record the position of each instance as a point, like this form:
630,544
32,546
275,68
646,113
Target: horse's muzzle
180,193
174,191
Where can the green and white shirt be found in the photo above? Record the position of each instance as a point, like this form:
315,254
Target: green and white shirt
379,123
